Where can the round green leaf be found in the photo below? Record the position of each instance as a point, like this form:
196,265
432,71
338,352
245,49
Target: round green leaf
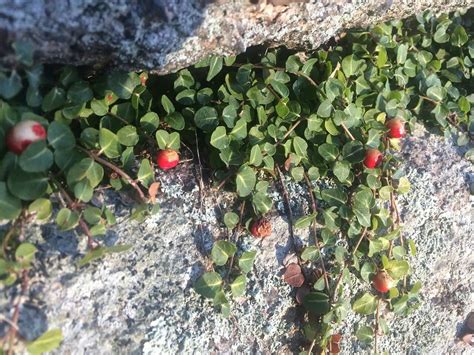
245,180
10,206
27,186
208,285
127,136
366,304
42,208
67,219
36,158
231,219
222,251
316,302
206,118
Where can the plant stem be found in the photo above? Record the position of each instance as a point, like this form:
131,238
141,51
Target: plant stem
315,231
91,243
236,235
291,129
429,99
376,330
288,208
117,170
344,127
16,313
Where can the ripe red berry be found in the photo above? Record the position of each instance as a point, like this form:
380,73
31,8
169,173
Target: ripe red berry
261,228
382,281
23,134
167,159
396,128
373,158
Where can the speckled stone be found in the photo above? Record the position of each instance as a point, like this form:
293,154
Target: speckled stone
142,301
166,35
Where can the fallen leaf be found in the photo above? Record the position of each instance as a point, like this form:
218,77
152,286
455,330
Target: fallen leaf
293,275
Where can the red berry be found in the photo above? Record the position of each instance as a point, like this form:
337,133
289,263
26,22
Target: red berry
396,128
23,134
167,159
261,228
382,281
373,158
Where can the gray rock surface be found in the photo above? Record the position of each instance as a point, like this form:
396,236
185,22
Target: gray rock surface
142,301
166,35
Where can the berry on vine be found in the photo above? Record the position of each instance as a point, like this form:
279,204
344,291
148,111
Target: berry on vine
167,159
23,134
396,128
382,281
261,228
373,158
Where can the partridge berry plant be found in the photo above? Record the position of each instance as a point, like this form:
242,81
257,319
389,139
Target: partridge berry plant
330,120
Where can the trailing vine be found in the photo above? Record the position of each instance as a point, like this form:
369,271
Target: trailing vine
332,120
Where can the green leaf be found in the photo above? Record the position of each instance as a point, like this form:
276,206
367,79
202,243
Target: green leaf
365,334
256,156
382,56
27,186
109,143
325,108
459,36
342,170
80,92
245,180
305,221
280,88
67,219
403,185
162,138
239,132
123,84
437,93
246,261
83,191
238,286
215,66
310,253
351,66
47,342
174,141
36,158
175,120
145,173
222,251
231,220
10,86
206,118
353,152
60,136
316,302
208,285
300,147
397,268
92,215
219,138
335,196
41,208
328,151
366,270
25,253
365,304
127,136
297,173
402,51
54,99
262,202
150,122
99,107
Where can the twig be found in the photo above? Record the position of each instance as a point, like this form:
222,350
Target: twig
316,241
376,331
288,208
312,346
429,99
333,74
91,243
236,235
117,170
291,129
16,313
201,184
344,127
364,232
9,234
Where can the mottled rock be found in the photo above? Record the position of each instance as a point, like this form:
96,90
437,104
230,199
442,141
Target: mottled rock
166,35
142,301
